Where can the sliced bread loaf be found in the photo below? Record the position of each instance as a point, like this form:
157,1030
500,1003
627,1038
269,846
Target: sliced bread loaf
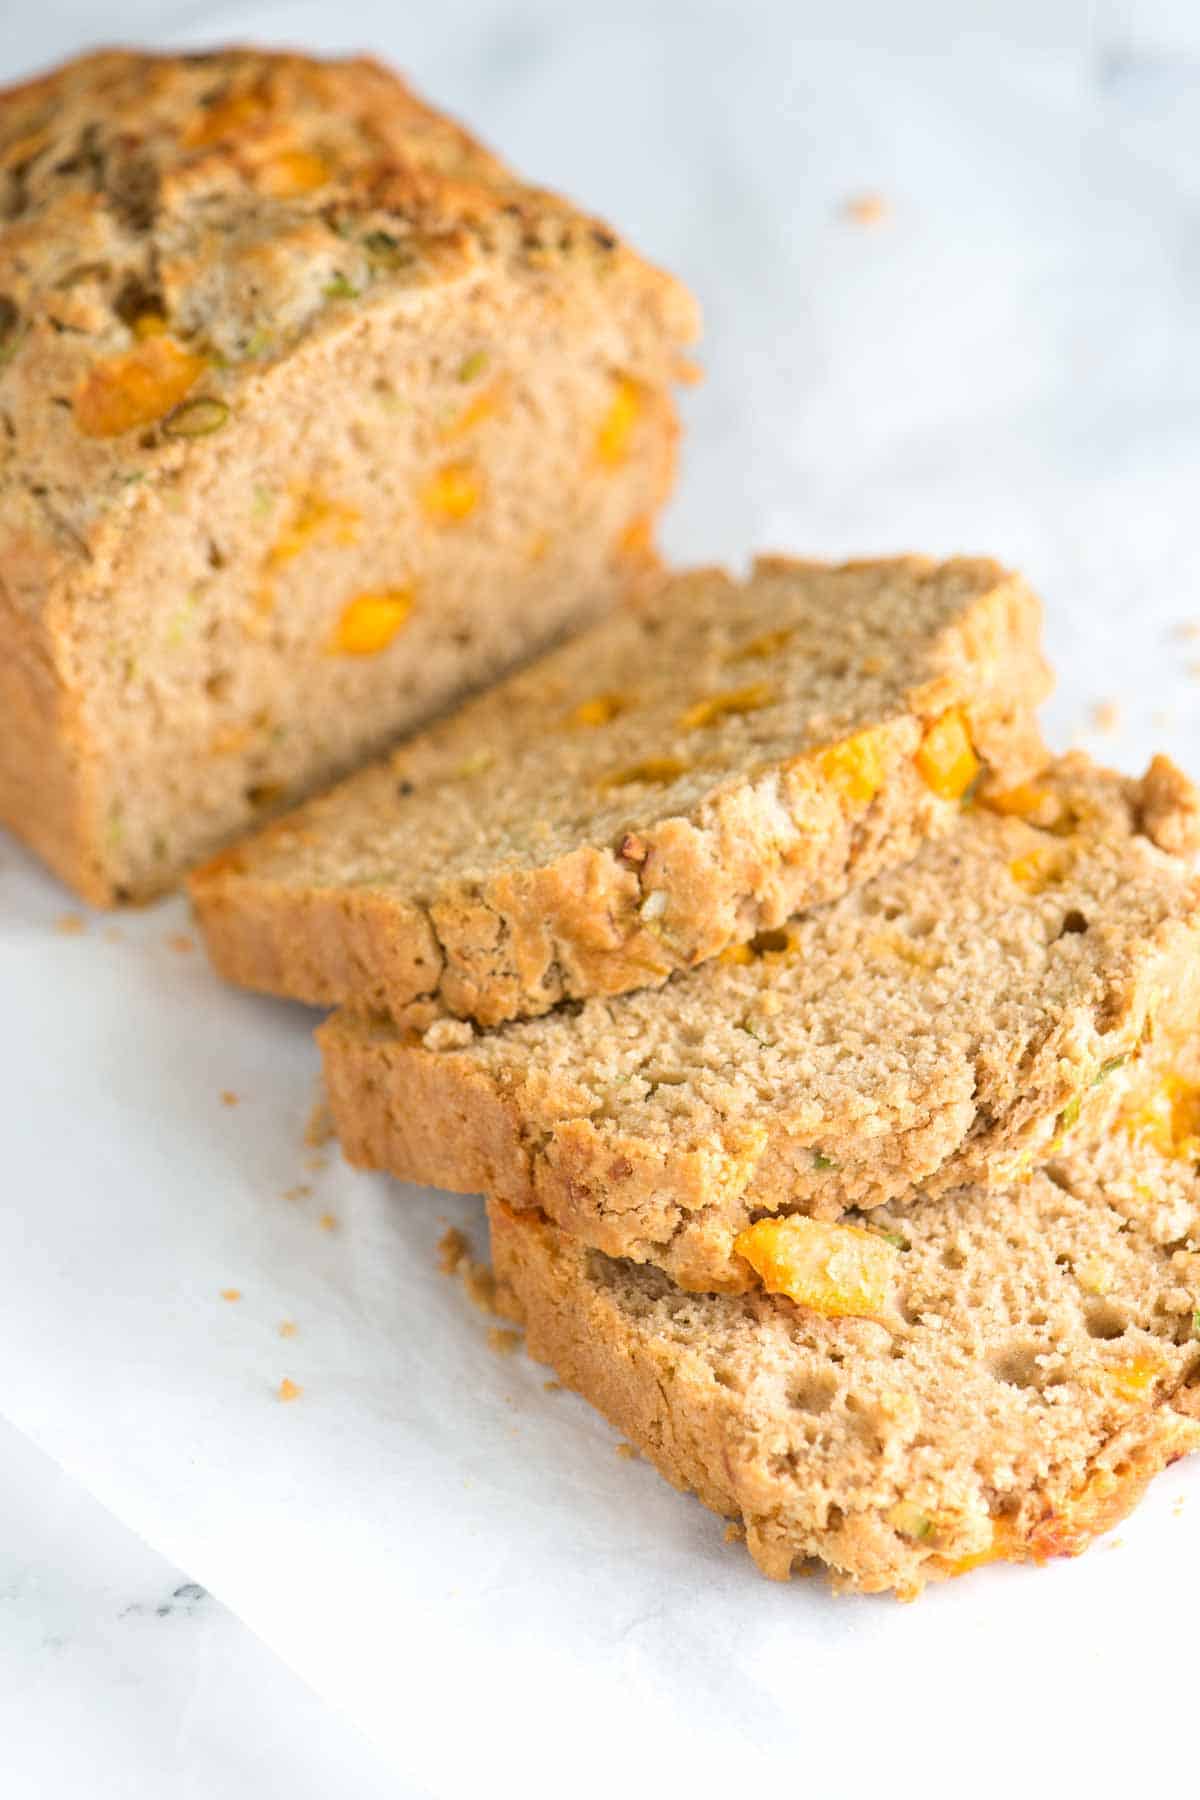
315,417
941,1025
1035,1361
679,778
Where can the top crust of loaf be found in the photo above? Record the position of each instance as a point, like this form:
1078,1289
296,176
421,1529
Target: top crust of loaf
684,775
229,205
946,1023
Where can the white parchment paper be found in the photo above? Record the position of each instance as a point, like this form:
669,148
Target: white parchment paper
1010,362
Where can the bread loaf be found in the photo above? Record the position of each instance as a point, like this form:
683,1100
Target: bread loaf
314,416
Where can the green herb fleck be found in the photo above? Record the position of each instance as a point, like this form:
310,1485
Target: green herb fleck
1108,1068
472,367
340,289
264,500
1196,1323
182,620
387,250
257,344
1069,1114
821,1161
896,1239
196,418
970,793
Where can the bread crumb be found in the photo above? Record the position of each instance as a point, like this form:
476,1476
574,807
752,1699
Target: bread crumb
180,941
448,1034
628,1451
480,1284
1116,1543
552,1387
452,1247
228,1097
287,1328
315,1162
1177,1509
299,1192
866,209
735,1532
503,1341
328,1222
231,1293
1105,716
318,1128
70,924
288,1390
1186,628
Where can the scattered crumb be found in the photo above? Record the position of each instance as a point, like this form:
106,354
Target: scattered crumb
228,1097
1178,1506
454,1258
865,209
628,1451
180,941
231,1293
315,1162
288,1390
287,1328
1116,1543
735,1532
1105,716
1186,628
299,1192
452,1247
503,1341
70,924
552,1387
328,1222
319,1128
480,1284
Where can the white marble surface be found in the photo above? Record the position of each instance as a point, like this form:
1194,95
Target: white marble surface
1010,361
121,1679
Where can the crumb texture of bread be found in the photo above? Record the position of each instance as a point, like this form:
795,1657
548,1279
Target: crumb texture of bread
948,1023
316,417
1042,1366
685,775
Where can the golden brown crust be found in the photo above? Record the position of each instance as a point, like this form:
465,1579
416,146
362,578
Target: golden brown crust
894,1455
515,856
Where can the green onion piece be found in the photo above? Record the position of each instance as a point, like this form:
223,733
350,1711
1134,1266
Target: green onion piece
387,250
340,289
1069,1114
821,1161
196,418
1108,1068
473,366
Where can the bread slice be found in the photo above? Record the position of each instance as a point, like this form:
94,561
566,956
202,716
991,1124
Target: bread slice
940,1026
666,785
1039,1364
315,417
